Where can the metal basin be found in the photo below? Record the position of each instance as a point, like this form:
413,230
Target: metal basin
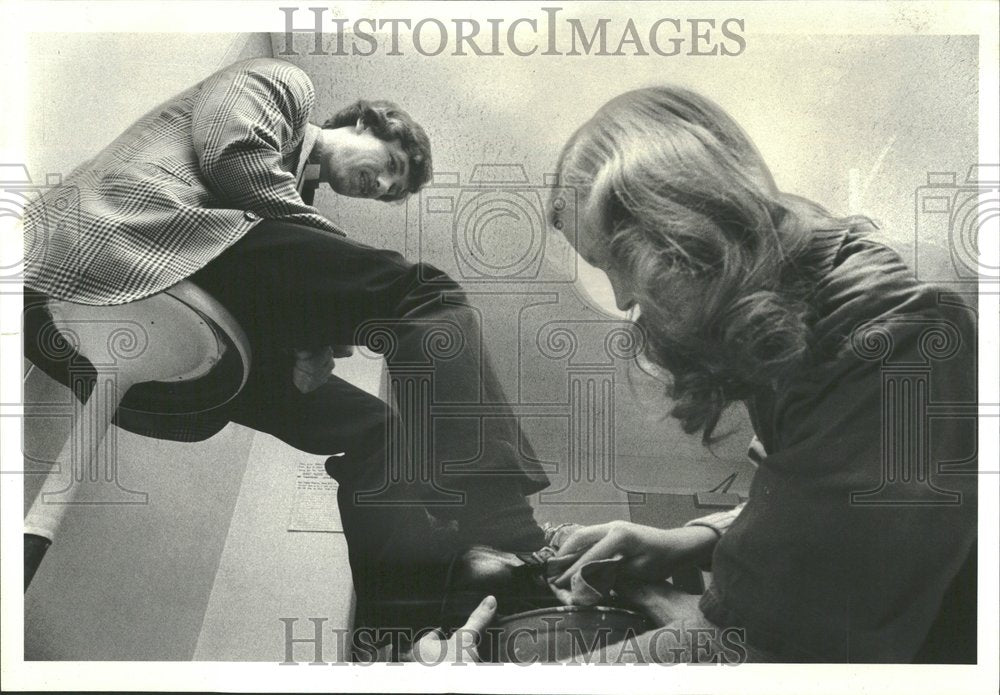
548,635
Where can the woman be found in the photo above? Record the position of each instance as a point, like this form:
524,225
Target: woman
849,543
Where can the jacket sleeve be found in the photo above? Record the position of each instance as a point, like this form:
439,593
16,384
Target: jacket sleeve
246,120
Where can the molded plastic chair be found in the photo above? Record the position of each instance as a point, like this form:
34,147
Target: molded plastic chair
178,335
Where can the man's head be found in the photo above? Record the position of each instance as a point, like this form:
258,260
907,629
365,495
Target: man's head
374,149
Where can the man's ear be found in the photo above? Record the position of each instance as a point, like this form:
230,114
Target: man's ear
360,126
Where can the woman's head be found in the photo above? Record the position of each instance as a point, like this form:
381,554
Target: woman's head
679,208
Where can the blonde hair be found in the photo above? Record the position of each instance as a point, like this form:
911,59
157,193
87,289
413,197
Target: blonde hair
687,206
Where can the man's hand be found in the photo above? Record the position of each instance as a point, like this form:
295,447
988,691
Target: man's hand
312,369
650,554
461,646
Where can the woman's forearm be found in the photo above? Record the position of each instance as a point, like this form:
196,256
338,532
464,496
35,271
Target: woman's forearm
687,544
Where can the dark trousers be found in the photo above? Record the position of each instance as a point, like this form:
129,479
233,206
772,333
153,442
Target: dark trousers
293,287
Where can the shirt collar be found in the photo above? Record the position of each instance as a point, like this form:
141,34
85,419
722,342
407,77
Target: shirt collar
303,169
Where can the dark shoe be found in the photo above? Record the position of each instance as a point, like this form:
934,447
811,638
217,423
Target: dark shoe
499,517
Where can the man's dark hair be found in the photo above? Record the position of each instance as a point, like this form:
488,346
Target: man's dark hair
389,122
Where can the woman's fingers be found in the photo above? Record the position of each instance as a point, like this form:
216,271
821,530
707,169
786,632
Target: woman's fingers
581,539
555,566
607,547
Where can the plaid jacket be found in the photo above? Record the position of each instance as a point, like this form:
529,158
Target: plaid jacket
184,182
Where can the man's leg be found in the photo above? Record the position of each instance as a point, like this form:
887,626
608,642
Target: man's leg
398,556
348,425
295,287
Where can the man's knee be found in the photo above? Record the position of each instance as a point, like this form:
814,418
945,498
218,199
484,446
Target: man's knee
436,284
448,294
360,432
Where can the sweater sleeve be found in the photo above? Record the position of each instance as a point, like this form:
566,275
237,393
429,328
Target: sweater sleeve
719,521
860,518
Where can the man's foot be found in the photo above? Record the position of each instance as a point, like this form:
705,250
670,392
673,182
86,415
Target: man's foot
501,518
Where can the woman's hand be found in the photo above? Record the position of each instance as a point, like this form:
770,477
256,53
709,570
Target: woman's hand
649,554
461,647
661,602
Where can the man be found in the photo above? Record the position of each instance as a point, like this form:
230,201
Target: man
208,186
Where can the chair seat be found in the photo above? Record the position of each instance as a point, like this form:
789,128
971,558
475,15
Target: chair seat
184,353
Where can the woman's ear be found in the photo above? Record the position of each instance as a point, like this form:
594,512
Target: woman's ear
360,126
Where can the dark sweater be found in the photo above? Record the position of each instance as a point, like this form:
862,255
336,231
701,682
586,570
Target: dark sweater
812,572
